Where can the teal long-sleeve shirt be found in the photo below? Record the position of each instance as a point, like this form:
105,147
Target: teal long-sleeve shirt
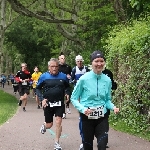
92,90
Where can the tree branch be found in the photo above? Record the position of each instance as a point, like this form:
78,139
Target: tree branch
18,7
68,35
11,21
65,9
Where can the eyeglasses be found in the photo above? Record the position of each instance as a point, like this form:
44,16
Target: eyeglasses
54,66
23,66
79,61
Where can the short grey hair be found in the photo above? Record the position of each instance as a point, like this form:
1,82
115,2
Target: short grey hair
24,64
53,59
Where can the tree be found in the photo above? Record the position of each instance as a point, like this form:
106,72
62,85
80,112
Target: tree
33,39
2,29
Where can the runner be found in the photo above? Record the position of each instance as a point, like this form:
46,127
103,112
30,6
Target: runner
114,87
78,70
12,78
66,69
94,91
54,84
23,77
35,77
3,80
15,86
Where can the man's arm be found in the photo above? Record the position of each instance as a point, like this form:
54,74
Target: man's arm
73,74
70,70
40,82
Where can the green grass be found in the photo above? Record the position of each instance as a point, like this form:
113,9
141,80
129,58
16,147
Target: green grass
121,126
8,106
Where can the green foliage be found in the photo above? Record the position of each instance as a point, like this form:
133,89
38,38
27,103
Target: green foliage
8,106
136,8
34,40
121,125
96,17
128,56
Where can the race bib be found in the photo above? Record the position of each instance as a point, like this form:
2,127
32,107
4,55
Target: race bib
24,83
55,104
96,113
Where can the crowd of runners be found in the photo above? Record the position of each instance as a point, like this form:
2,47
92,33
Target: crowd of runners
89,90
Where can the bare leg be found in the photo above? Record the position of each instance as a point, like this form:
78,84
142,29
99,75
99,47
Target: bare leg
48,125
25,99
37,100
58,129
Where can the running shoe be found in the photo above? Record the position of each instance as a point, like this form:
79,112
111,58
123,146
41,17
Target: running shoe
38,107
81,147
41,104
68,111
24,109
43,128
57,146
64,116
20,102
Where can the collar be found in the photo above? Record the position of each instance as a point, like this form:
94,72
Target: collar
96,75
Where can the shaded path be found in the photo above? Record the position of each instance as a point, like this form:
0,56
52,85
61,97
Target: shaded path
22,132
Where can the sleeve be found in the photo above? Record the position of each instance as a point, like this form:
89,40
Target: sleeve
17,77
40,82
67,86
114,84
70,70
109,104
73,73
76,96
29,76
87,69
32,76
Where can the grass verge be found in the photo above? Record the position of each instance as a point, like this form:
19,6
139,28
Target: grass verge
8,106
121,126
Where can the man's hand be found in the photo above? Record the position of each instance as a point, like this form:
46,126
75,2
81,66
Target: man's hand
68,76
44,104
21,80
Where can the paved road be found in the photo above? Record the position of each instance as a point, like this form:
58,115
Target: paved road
21,132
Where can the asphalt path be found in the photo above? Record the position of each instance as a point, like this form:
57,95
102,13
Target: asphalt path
22,132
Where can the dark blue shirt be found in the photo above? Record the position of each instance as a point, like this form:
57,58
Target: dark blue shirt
54,86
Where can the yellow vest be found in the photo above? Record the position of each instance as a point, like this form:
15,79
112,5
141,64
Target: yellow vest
35,77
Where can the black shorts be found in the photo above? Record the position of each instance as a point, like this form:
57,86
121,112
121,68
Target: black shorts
50,111
24,90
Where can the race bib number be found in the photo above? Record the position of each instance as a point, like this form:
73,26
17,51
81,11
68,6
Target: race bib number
24,83
97,113
55,104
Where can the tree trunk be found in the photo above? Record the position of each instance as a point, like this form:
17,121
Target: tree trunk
2,28
118,8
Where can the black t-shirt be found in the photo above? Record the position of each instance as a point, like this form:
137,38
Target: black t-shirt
110,75
22,75
66,69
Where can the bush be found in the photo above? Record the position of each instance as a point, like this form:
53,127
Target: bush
128,57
